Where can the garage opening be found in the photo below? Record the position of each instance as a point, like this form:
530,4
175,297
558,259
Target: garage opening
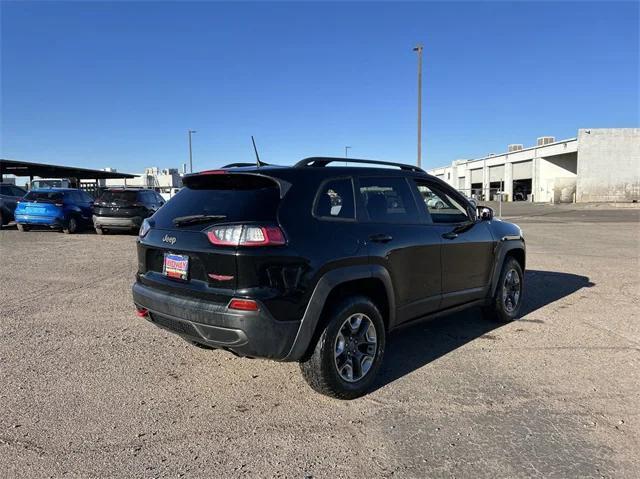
522,183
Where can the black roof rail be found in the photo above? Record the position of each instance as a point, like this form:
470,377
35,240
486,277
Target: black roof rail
316,161
237,165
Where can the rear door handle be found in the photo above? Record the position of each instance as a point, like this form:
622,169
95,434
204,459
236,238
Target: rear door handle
450,235
380,238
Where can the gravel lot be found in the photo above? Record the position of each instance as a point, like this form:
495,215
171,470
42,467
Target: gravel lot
87,389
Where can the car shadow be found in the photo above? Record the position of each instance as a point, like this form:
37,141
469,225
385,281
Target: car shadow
409,348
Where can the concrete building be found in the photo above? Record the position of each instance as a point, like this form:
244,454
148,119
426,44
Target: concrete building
600,164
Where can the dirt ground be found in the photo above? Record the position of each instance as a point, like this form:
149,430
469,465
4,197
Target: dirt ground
87,389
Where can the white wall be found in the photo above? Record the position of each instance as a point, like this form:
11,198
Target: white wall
608,164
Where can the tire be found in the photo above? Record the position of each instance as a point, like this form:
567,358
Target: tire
22,228
327,372
72,226
1,220
506,304
99,231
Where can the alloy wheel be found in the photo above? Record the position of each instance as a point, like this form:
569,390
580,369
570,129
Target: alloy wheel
355,347
511,290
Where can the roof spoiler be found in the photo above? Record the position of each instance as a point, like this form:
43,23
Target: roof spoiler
232,180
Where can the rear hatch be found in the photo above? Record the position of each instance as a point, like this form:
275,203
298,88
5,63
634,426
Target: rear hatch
118,203
41,204
192,244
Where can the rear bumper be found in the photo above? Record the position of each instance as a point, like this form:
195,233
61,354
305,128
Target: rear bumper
246,333
53,221
117,222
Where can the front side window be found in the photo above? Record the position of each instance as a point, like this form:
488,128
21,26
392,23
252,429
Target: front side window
335,200
442,207
388,200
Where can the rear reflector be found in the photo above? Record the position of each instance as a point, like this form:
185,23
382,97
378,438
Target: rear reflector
243,304
142,312
220,277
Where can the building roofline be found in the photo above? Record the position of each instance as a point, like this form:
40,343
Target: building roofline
535,147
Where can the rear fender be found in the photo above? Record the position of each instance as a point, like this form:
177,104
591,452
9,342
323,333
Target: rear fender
325,285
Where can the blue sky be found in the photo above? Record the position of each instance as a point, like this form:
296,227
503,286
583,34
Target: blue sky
118,84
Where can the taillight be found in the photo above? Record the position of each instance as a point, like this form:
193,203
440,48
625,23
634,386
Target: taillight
144,228
246,235
243,304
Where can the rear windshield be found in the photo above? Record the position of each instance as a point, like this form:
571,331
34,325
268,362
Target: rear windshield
118,196
44,196
257,203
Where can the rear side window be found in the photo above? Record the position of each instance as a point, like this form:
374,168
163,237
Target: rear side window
72,197
335,200
44,196
237,200
388,200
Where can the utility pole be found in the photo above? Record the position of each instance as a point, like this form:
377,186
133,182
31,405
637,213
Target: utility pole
346,153
418,48
190,152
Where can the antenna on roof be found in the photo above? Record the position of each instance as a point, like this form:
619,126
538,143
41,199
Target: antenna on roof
258,163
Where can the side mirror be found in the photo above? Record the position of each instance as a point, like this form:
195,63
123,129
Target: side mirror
484,213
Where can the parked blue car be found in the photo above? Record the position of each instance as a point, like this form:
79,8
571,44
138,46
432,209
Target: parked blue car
57,208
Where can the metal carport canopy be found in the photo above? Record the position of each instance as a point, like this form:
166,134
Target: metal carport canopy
44,170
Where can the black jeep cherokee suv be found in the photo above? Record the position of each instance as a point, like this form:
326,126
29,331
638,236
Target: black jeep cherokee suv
316,264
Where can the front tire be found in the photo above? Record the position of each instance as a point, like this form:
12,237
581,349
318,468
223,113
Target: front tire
507,301
22,228
349,352
99,231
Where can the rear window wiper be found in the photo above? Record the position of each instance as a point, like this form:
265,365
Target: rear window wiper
193,219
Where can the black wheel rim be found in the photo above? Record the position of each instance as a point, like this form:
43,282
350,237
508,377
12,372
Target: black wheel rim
511,290
355,347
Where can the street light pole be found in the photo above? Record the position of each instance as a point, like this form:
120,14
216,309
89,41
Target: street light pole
418,48
190,152
346,153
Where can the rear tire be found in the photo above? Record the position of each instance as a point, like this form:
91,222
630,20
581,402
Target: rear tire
349,352
22,228
507,301
99,231
72,226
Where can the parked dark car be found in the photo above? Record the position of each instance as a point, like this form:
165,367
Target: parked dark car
9,196
317,264
57,208
124,208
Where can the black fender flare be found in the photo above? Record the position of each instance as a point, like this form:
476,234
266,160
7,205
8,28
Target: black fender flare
504,245
323,288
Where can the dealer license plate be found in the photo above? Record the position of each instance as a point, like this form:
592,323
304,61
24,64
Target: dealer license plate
176,266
